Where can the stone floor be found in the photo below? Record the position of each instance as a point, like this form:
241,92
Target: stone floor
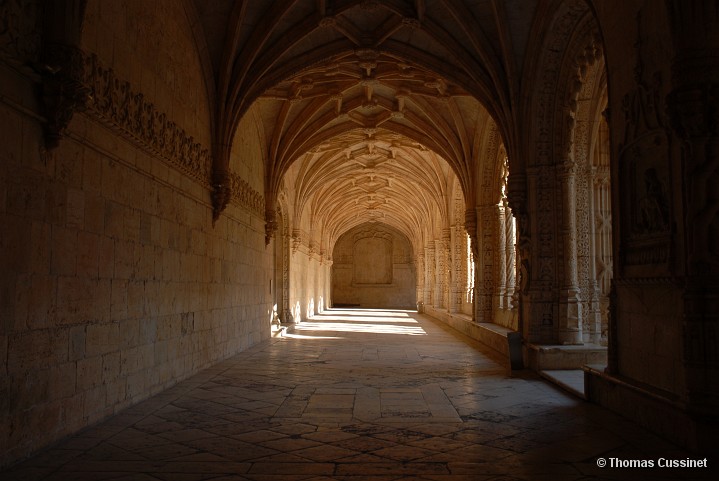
359,395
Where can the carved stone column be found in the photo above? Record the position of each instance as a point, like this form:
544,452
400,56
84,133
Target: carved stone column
694,103
570,307
517,201
441,268
459,286
419,268
286,313
510,256
501,291
429,278
446,272
470,224
486,263
601,246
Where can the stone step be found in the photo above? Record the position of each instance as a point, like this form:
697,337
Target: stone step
571,380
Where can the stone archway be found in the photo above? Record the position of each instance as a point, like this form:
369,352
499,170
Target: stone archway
373,267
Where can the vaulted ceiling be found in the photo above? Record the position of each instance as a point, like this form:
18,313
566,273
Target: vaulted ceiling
370,109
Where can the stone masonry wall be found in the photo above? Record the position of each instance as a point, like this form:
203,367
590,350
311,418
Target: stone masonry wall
372,267
114,284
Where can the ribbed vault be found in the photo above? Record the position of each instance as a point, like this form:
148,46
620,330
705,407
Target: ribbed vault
342,82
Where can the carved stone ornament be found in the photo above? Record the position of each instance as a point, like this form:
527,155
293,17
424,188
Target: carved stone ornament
270,225
220,196
114,103
64,90
644,165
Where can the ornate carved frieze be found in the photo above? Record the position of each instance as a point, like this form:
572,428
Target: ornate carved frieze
245,196
116,104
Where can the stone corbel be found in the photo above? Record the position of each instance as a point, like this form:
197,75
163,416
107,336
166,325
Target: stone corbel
221,192
296,240
270,224
64,90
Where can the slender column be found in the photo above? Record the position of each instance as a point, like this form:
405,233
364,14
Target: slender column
501,256
601,246
286,314
570,309
486,263
440,267
420,281
470,223
460,267
446,272
429,279
510,256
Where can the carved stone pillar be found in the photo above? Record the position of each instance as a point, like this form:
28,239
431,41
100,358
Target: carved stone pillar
510,257
694,103
501,292
419,268
429,279
601,247
570,307
459,286
517,201
286,313
486,263
470,224
446,272
441,268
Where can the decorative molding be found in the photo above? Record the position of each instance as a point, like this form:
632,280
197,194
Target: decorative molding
114,103
65,90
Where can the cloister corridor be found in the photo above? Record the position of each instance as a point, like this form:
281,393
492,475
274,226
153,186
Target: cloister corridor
354,239
358,395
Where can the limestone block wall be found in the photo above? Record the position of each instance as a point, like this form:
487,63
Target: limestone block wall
114,284
372,268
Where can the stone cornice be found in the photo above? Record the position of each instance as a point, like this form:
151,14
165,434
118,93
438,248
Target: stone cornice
117,105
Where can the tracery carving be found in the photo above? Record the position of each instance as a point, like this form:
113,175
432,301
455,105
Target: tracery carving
537,247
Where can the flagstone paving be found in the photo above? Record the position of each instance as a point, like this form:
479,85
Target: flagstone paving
359,395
